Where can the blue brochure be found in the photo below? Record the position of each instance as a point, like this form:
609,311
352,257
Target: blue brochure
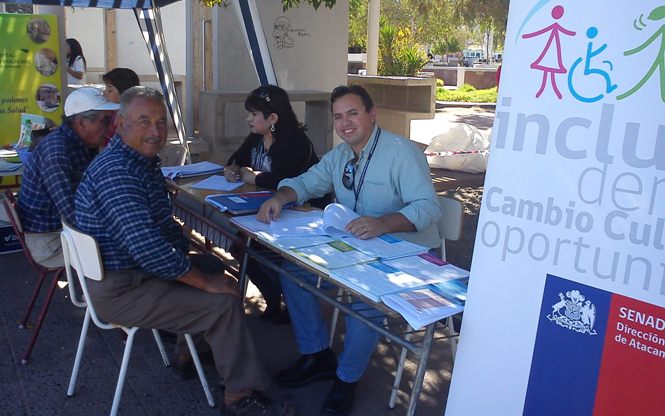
239,203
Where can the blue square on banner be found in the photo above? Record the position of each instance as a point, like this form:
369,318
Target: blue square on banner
568,349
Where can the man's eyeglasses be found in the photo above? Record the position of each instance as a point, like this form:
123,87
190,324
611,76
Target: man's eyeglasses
349,174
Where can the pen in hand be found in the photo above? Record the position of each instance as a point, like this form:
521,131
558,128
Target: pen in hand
232,172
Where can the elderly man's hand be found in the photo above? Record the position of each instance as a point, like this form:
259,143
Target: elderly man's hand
221,283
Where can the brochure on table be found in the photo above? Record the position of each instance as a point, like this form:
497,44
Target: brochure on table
188,171
239,203
421,307
566,305
217,183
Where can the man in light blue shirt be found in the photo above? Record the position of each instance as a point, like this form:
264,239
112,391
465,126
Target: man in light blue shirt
385,179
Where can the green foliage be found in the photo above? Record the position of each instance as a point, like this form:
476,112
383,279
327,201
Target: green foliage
439,82
411,59
398,54
358,23
467,88
289,4
286,4
449,44
467,94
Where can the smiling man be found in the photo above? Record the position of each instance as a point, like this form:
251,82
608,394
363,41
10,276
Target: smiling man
385,179
150,280
55,170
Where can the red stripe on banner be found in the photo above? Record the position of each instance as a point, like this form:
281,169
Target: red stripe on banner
633,364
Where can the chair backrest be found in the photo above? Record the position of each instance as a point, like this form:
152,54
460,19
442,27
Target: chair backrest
81,253
10,205
173,155
450,223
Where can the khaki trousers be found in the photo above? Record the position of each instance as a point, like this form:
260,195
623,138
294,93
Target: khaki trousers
134,298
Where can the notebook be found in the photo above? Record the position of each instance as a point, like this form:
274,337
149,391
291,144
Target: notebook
239,203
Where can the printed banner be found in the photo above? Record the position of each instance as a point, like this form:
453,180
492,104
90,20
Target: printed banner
565,311
29,71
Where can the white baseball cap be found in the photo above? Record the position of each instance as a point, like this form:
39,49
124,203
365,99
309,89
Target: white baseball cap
87,99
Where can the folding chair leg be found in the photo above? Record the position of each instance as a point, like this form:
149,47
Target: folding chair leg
123,370
35,292
42,316
335,315
199,370
450,328
400,370
79,353
160,345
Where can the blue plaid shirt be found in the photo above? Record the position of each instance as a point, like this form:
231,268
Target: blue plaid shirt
123,202
50,180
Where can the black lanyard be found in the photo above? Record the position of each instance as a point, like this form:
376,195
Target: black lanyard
356,192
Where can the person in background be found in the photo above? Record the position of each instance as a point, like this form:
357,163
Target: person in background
276,148
55,169
386,180
117,81
76,65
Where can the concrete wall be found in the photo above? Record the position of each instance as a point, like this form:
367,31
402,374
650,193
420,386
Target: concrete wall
481,78
314,59
87,26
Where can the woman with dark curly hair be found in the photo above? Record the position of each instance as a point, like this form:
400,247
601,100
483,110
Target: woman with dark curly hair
76,65
276,148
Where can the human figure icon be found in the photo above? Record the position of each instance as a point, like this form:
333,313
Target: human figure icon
591,34
544,61
659,63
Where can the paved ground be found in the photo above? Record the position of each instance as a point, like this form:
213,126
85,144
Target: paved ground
39,387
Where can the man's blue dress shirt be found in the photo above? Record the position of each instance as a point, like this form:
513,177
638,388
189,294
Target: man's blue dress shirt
123,202
50,180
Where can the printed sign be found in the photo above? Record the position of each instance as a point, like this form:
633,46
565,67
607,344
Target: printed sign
565,304
29,71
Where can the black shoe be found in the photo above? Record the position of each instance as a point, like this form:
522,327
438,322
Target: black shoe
271,312
318,366
340,399
283,317
257,405
184,364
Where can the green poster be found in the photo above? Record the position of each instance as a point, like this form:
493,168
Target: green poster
29,71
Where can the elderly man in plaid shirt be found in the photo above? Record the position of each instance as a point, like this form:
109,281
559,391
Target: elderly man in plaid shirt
150,280
55,169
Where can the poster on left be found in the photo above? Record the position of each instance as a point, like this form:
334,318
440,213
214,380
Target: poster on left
30,66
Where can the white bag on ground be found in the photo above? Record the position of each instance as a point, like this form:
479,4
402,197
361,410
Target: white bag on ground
461,138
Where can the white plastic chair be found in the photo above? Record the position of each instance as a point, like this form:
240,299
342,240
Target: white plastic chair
450,228
82,253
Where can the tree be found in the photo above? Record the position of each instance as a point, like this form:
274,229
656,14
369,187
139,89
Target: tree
492,14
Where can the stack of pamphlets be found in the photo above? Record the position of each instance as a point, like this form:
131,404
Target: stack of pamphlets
421,307
195,169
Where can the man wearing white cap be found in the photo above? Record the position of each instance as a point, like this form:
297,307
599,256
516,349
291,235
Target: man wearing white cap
55,169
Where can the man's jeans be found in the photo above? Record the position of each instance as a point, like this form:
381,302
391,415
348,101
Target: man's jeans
311,331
